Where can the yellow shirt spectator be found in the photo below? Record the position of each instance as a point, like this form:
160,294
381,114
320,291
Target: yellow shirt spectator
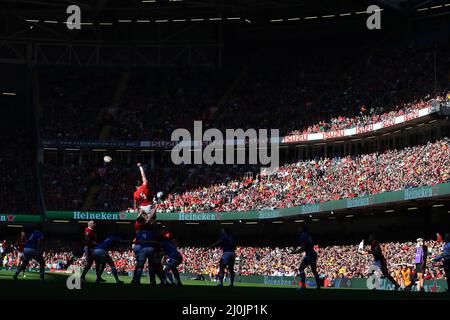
406,275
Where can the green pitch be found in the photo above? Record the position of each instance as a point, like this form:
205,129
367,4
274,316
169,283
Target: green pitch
55,287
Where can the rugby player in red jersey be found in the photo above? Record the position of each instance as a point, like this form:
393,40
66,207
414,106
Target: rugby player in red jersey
20,244
142,199
90,242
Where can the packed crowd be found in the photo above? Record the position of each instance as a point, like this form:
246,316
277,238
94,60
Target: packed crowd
18,192
368,117
116,188
306,93
322,180
296,93
75,104
117,184
241,188
334,261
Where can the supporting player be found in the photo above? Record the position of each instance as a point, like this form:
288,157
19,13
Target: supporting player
3,251
102,257
446,257
149,240
143,203
138,225
20,245
380,260
33,249
90,242
228,245
309,259
174,257
421,263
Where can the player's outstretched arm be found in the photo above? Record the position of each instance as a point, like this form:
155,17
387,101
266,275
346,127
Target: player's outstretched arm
366,252
144,177
299,250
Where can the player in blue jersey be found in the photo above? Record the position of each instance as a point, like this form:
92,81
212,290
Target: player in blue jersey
228,245
102,257
168,273
174,257
149,240
309,259
33,249
379,260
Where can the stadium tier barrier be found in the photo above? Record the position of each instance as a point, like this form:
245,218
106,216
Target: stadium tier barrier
369,200
289,139
436,285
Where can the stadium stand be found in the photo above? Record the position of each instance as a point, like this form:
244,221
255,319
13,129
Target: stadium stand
303,182
18,193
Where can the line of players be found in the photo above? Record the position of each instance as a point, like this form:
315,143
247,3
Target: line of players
149,245
152,243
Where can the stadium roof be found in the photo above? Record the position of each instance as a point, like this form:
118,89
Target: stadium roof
170,9
35,31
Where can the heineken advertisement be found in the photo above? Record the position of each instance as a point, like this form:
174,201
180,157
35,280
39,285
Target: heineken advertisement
12,218
377,199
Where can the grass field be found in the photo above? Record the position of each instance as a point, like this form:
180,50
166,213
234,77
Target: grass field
54,287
